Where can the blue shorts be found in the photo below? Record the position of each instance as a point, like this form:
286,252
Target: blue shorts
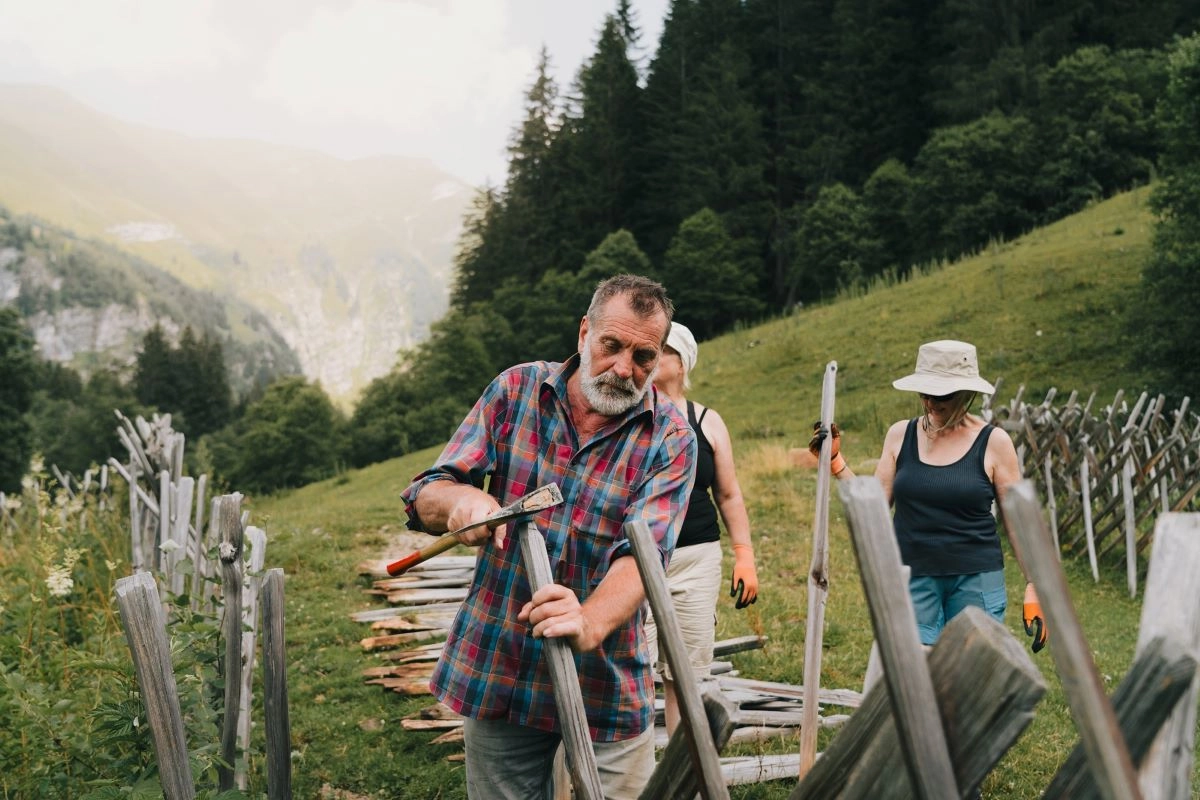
938,598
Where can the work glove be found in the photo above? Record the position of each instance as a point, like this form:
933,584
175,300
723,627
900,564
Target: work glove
836,462
1035,621
744,585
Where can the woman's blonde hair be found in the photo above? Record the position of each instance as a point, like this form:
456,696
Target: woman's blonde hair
959,405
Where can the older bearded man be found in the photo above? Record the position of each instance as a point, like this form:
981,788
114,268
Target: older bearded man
596,426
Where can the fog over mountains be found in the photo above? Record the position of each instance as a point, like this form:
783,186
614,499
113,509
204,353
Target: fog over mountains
349,261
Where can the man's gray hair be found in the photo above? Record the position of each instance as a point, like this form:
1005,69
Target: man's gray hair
646,297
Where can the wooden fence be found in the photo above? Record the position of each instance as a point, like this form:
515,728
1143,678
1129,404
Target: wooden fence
219,569
1105,473
933,729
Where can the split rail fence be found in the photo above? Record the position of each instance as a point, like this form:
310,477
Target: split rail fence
1105,473
219,568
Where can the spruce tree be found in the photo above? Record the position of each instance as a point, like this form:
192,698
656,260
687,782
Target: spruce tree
18,368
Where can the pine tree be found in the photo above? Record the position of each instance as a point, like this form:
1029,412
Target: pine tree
1164,325
17,374
605,129
703,274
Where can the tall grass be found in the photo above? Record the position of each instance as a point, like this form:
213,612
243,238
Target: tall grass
73,722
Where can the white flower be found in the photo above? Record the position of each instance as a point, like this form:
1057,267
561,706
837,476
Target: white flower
169,546
59,582
27,483
112,565
36,465
12,503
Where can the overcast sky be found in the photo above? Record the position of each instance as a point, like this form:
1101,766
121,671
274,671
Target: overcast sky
441,79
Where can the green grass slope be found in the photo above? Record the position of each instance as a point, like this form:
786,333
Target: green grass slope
1068,282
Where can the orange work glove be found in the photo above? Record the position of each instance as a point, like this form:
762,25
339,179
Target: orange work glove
1035,621
836,462
744,585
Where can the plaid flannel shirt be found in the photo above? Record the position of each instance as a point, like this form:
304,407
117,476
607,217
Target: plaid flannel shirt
639,466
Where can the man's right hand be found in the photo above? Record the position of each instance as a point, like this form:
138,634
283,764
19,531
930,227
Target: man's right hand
473,506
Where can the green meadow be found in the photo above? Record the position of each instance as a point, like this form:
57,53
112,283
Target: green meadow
1044,311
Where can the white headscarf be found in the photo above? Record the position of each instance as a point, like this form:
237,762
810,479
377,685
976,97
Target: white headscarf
680,340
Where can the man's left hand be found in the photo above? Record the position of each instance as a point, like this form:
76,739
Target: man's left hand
555,612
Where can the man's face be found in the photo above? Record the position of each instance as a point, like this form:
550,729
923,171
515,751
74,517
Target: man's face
618,356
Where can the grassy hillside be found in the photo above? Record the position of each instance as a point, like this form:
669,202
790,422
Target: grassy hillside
1043,311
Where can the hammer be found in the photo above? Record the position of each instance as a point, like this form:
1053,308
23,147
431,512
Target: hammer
539,499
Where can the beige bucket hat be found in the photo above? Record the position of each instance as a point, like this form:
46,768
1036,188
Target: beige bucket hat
944,367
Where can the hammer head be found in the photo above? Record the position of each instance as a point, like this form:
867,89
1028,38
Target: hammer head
539,499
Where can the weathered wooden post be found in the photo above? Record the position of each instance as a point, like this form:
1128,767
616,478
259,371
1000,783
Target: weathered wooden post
905,670
987,688
568,697
275,691
692,718
181,512
230,551
675,778
1142,703
1171,608
145,629
1085,493
818,580
1106,752
250,592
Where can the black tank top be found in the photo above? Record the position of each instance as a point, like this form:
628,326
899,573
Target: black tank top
943,518
700,524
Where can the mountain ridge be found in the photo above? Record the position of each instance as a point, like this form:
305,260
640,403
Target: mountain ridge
349,260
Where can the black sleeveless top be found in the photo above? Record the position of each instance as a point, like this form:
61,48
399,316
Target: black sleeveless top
943,517
700,524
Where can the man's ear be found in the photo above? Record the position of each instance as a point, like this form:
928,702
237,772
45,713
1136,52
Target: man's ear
583,331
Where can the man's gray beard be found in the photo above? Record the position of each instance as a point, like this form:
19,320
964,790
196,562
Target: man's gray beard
606,393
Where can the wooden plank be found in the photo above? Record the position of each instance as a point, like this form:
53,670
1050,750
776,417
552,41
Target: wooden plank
427,596
847,698
397,639
145,629
400,624
373,614
905,671
759,769
1171,609
1108,757
818,578
738,644
692,719
431,724
982,718
449,737
411,688
568,697
275,690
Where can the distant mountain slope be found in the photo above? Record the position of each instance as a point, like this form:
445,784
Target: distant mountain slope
89,305
349,260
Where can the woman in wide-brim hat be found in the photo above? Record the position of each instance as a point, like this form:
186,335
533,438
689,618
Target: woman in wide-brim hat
942,471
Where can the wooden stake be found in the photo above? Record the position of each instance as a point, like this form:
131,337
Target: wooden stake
1107,754
818,580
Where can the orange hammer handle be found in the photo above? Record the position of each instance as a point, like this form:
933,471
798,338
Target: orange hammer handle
440,545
